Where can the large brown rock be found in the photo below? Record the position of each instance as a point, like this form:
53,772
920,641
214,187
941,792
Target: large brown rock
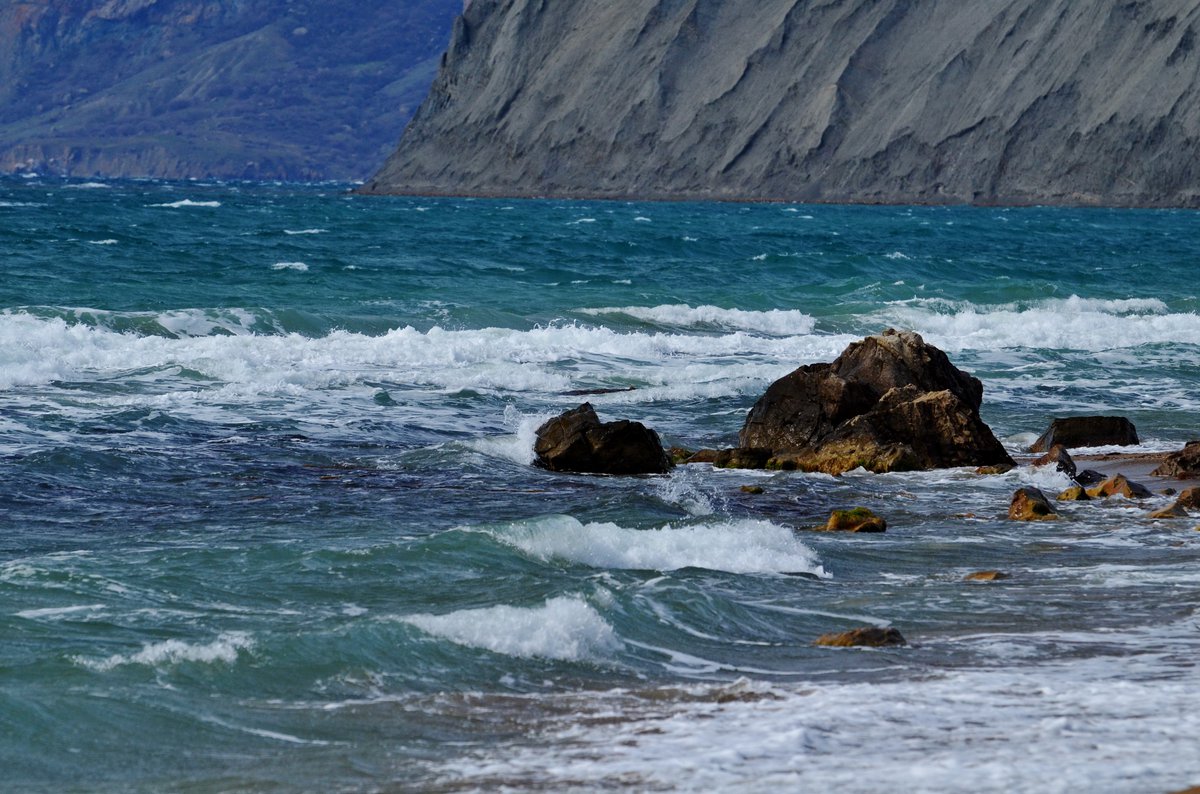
577,441
1087,431
1120,485
888,403
1030,504
866,637
1184,464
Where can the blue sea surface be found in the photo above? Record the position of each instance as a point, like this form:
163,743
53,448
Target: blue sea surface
268,519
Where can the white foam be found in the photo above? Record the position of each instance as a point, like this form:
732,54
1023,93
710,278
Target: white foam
305,231
737,546
565,628
87,186
188,203
299,267
777,322
517,447
1063,324
109,241
225,648
57,612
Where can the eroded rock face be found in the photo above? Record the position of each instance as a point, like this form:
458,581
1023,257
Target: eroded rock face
888,403
577,441
1087,431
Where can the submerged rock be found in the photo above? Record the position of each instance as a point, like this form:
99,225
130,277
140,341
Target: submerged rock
858,519
1076,493
986,576
1184,464
1120,485
1087,431
1030,504
866,637
577,441
1174,511
890,402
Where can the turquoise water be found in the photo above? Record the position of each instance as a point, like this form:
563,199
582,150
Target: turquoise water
269,521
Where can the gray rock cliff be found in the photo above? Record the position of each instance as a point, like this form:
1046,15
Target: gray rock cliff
941,101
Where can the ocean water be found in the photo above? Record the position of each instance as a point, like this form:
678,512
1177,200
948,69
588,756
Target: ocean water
268,520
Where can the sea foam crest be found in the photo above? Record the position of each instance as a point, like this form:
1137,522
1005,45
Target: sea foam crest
225,648
565,628
187,203
776,322
1064,324
741,546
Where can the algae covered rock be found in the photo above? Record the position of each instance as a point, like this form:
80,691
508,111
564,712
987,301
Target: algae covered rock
858,519
577,441
866,637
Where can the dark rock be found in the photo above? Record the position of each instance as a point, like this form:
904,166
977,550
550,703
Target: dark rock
1174,511
888,403
577,441
1005,101
752,489
867,637
1189,499
1061,459
1184,464
679,455
1120,485
703,456
742,458
1087,431
1089,477
858,519
986,576
1030,504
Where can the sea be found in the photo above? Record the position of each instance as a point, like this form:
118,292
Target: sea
268,519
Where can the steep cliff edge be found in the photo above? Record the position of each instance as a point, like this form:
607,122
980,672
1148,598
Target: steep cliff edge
270,89
1004,101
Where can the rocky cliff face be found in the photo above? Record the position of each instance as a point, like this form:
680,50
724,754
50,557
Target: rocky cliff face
268,89
997,101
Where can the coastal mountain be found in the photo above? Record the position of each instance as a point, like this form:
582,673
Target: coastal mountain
929,101
268,89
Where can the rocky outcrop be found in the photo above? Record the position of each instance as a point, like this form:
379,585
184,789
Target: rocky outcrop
939,101
577,441
1087,431
271,89
1184,464
1030,504
888,403
1120,485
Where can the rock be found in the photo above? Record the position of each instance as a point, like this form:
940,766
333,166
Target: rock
1061,459
752,489
1174,511
742,458
1030,504
888,403
858,519
679,455
1089,477
999,102
1184,464
1087,431
1076,493
1189,499
1119,485
986,576
577,441
867,637
998,468
703,456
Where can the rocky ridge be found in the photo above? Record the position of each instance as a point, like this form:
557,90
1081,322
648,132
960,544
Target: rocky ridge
927,101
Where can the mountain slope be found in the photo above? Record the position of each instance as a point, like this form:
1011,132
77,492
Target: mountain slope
269,89
1003,101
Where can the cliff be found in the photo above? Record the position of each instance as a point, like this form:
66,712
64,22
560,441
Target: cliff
928,101
269,89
